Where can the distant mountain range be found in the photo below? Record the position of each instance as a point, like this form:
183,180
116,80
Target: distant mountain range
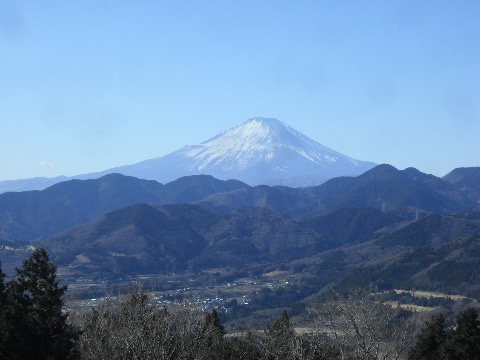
387,227
259,151
35,215
384,187
224,205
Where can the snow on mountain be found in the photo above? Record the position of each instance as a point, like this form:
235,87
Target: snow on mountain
258,151
252,141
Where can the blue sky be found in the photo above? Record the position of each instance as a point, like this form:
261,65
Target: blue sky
89,85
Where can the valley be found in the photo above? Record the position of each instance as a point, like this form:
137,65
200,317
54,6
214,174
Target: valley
248,251
243,304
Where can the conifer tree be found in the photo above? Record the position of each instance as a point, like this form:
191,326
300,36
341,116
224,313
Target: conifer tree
463,342
430,341
245,348
213,327
280,338
2,285
212,335
38,328
3,323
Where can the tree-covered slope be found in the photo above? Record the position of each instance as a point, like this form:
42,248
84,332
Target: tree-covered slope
409,192
439,252
137,239
35,215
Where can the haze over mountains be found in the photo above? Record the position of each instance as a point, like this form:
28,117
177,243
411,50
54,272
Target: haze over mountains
388,227
380,225
34,215
258,151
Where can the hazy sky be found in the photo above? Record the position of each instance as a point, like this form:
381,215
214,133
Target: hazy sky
89,85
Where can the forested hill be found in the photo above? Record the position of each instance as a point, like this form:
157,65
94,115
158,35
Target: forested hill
353,247
33,215
372,228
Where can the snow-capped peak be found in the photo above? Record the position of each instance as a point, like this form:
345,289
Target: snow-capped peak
258,151
254,140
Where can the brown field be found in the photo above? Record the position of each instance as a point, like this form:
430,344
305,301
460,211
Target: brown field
410,307
427,294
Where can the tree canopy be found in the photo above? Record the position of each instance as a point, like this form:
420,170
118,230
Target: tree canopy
33,325
437,342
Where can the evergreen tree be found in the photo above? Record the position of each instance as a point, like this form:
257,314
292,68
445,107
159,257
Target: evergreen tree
280,338
212,336
463,342
38,328
245,348
3,323
2,286
430,341
213,329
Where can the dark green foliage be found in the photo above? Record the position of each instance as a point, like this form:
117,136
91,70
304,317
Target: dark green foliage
3,306
34,325
430,340
212,337
462,341
212,331
279,338
243,348
2,287
280,335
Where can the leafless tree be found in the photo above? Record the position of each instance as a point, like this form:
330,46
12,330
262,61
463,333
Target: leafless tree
133,329
280,342
130,330
362,327
197,333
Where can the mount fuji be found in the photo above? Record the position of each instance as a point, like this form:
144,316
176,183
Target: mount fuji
258,151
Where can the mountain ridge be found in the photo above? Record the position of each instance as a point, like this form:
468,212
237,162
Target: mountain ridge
346,231
347,247
36,214
32,215
384,187
258,151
